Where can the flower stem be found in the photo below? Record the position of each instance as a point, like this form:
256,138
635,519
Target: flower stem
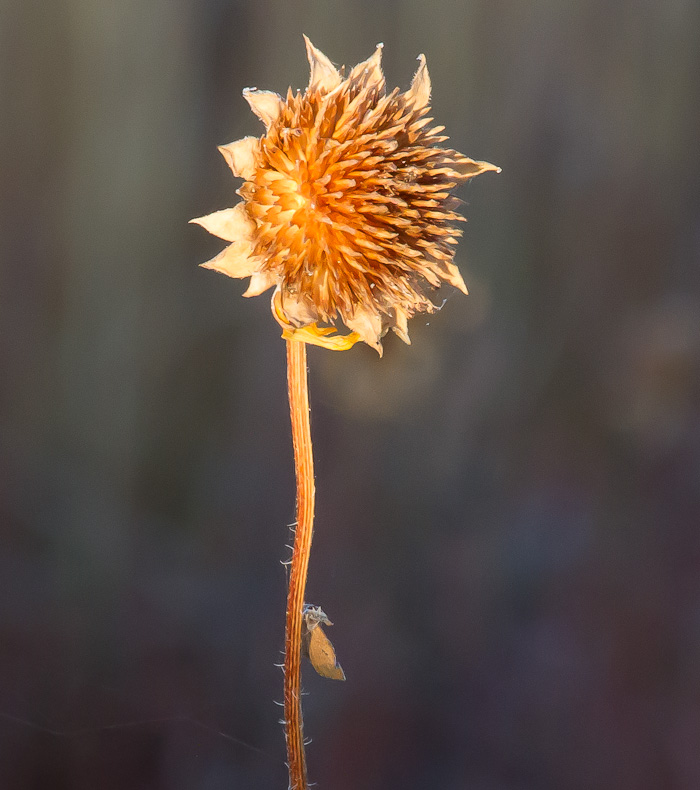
298,389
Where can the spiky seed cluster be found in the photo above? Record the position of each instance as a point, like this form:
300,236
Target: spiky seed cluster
346,205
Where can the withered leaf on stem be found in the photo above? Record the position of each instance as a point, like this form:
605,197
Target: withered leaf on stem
316,646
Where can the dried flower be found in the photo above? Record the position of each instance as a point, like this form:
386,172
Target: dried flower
346,205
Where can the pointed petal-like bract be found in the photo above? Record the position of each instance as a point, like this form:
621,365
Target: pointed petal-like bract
401,325
231,224
267,105
237,260
453,276
468,168
419,92
368,326
260,282
324,75
241,155
371,69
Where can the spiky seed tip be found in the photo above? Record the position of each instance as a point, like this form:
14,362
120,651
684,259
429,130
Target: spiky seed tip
346,207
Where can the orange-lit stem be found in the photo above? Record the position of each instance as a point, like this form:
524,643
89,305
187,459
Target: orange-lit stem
297,384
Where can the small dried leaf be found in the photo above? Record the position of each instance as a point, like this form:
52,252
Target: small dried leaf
317,646
322,655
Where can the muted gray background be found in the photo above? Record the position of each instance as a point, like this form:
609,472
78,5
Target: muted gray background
508,511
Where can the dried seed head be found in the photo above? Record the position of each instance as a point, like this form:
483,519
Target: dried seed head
346,206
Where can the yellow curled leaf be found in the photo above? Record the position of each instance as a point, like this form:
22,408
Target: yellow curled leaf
319,336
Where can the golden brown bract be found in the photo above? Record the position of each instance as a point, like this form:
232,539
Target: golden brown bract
346,204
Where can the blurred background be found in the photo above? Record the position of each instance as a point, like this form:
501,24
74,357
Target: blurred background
508,514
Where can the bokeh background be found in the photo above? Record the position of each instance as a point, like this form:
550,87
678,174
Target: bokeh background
508,530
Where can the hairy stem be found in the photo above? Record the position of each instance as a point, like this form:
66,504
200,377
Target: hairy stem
297,384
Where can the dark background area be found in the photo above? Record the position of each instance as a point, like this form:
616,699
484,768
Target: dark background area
508,515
